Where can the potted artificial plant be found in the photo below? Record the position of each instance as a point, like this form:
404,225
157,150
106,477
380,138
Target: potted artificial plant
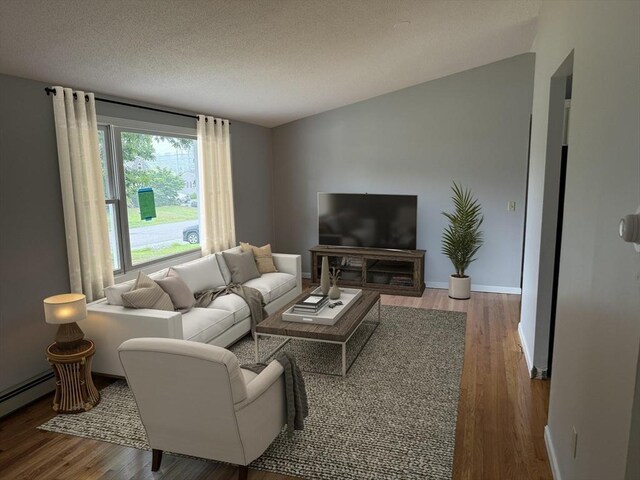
461,239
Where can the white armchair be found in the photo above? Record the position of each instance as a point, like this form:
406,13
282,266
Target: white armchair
194,399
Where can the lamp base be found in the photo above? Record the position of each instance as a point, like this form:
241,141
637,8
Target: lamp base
68,336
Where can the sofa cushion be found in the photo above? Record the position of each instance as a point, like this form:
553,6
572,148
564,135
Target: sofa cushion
205,324
242,266
181,296
262,255
273,285
146,293
201,274
114,292
232,303
226,274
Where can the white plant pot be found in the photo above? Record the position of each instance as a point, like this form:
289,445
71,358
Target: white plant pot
460,287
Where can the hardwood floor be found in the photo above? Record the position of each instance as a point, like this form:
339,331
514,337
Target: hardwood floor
501,411
499,435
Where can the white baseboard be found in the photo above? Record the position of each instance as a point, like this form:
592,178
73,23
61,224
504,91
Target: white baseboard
474,288
551,452
479,288
527,355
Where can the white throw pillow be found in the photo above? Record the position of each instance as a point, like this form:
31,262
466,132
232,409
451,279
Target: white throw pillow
114,292
202,274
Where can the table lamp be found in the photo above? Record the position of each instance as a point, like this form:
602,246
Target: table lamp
65,310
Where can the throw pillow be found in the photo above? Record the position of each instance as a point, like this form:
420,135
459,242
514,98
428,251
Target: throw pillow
147,294
114,292
263,256
242,266
226,274
181,297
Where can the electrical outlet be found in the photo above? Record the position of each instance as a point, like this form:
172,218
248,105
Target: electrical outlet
574,443
511,206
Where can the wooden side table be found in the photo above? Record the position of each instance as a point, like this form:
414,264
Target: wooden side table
75,391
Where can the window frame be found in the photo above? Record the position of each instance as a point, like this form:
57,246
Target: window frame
114,165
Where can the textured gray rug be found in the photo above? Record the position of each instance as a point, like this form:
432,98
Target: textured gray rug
393,417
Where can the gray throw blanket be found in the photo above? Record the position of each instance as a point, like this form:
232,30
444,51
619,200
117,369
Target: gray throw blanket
252,296
295,390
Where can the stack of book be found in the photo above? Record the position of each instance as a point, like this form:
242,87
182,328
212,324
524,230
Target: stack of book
312,304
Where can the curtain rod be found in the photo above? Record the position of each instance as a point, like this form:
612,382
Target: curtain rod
115,102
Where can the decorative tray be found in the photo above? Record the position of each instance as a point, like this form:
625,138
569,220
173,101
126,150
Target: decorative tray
326,316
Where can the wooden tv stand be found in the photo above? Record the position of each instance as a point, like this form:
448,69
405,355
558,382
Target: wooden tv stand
395,272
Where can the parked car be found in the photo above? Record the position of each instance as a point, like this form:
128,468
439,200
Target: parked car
191,234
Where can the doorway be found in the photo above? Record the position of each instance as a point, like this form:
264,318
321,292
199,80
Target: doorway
561,90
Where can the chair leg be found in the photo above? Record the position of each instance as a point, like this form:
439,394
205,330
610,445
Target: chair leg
243,471
156,460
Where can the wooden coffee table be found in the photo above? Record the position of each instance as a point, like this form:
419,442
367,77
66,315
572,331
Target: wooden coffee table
340,333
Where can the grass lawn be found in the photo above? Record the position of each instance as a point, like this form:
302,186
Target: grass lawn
167,214
147,254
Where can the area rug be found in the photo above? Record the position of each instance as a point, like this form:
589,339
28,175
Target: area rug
392,417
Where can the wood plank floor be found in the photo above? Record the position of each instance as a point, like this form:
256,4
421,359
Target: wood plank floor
499,435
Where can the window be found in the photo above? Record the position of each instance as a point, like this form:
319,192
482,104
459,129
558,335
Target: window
143,169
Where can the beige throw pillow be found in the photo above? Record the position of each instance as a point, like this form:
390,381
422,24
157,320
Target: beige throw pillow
147,294
262,255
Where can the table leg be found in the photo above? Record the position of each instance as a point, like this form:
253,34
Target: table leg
255,343
344,360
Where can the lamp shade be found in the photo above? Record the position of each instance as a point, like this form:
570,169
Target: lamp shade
65,308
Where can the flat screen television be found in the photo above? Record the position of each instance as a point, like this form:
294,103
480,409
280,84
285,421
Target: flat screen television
367,220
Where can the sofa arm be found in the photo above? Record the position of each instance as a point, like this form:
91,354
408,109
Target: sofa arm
289,263
110,325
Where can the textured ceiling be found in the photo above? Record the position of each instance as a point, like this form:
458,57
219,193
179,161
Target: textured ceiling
267,62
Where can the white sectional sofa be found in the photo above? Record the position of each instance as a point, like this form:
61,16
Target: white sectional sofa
222,323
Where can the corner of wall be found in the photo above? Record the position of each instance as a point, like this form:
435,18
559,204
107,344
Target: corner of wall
525,350
551,452
273,187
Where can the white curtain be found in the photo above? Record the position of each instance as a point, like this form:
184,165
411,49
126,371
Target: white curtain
85,216
217,226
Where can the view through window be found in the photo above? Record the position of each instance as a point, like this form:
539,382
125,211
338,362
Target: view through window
151,194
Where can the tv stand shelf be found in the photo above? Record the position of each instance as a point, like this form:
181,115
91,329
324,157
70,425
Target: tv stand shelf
395,272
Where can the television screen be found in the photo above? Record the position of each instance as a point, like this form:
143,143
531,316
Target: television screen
367,220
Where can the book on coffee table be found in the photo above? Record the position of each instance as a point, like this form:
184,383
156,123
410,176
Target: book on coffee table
312,303
325,315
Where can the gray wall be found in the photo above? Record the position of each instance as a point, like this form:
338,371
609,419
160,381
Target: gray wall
597,329
33,255
472,127
32,238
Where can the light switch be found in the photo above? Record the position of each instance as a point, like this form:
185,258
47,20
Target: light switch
511,206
